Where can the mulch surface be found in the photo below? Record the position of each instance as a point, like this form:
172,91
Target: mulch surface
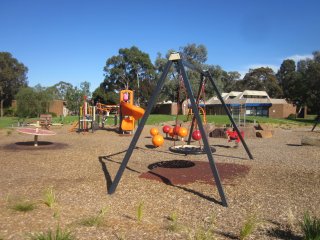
180,172
278,186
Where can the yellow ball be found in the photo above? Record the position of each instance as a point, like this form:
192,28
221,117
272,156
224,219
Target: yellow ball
157,140
154,131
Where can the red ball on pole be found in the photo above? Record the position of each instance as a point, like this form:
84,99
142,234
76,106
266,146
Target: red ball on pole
176,130
166,129
196,135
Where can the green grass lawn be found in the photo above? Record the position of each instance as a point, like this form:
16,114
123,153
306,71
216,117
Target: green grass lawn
7,122
154,119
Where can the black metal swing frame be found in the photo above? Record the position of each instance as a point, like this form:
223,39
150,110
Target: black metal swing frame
176,59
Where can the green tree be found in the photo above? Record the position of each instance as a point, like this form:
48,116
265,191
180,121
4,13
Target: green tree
100,95
218,75
311,79
262,79
85,89
301,82
229,81
169,90
195,54
289,80
74,98
31,102
60,89
130,69
13,75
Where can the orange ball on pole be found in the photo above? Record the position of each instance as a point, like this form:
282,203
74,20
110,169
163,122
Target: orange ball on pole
154,131
157,140
171,133
182,132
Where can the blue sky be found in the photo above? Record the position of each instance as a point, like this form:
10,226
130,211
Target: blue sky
70,40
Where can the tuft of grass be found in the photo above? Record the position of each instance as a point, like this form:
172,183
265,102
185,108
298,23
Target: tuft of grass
173,226
310,227
49,197
23,206
140,211
9,132
95,221
290,221
58,234
119,236
203,234
248,227
205,231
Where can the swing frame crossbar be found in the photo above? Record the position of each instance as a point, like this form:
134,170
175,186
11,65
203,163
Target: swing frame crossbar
175,58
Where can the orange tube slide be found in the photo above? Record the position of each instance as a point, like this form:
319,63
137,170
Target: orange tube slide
128,109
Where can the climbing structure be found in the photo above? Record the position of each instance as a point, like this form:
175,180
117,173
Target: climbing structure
87,116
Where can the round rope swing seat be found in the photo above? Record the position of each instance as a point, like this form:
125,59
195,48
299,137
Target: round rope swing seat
190,149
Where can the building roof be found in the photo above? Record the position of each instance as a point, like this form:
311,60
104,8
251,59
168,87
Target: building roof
278,101
246,97
255,93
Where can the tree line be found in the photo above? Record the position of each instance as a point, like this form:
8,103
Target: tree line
131,68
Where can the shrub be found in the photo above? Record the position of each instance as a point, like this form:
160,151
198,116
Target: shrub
173,226
292,116
23,206
95,220
49,197
310,227
140,211
53,114
9,112
248,227
58,234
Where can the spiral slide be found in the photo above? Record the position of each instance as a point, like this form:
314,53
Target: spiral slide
132,112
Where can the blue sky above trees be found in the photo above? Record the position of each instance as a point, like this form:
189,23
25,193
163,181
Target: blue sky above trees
70,40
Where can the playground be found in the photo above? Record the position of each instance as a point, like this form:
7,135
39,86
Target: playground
162,194
174,180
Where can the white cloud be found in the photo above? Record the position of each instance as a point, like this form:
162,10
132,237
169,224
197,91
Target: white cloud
298,57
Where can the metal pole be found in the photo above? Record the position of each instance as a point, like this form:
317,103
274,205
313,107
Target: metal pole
138,89
229,115
139,129
193,118
203,133
317,120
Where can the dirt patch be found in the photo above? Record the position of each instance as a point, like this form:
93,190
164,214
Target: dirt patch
185,172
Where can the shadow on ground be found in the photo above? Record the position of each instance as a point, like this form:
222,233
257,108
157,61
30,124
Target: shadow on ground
29,145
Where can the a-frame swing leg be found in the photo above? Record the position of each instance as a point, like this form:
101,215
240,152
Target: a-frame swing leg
229,115
207,74
317,120
203,133
139,129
